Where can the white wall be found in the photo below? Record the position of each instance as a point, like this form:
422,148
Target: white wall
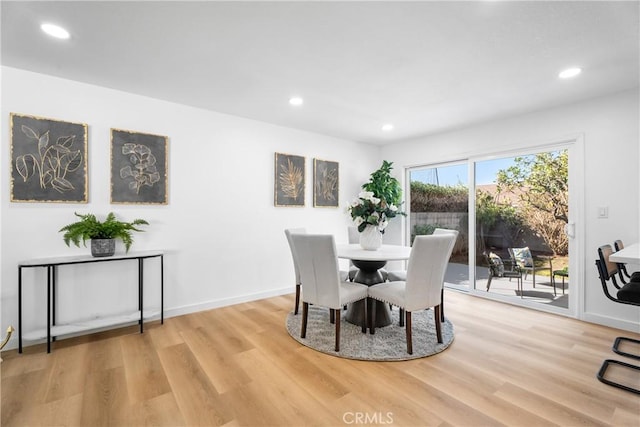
609,129
224,237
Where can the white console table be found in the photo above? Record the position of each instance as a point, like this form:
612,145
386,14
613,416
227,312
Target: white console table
51,264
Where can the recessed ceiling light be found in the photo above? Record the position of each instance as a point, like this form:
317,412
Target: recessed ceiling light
387,127
570,72
55,31
296,100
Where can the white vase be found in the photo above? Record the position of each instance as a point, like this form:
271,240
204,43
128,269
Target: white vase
371,238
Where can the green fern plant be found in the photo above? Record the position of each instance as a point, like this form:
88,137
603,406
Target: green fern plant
90,228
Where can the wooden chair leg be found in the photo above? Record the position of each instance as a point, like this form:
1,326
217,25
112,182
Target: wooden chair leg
372,326
332,316
305,312
364,316
436,317
442,304
408,328
295,311
401,321
337,319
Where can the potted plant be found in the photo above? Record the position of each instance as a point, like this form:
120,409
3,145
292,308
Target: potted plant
102,234
374,207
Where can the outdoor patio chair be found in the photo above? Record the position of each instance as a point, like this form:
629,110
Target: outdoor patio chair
499,268
626,294
526,261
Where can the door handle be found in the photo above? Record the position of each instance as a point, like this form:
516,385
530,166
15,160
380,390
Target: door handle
570,229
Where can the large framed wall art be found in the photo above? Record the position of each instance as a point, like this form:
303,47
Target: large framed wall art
289,180
138,168
326,183
48,160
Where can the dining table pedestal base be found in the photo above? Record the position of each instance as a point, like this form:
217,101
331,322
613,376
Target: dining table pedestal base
369,274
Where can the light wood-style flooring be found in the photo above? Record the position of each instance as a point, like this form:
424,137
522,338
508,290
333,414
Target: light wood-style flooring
237,366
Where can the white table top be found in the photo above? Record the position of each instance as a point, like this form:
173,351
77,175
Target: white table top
79,259
629,255
385,253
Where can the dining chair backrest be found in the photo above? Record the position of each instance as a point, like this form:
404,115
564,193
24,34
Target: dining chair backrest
448,231
290,232
425,274
319,270
608,268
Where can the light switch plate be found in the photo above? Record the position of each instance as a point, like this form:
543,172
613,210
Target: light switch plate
603,212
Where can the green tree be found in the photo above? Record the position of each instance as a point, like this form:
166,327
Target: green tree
541,181
542,185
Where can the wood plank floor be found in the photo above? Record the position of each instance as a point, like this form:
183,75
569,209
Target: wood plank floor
237,366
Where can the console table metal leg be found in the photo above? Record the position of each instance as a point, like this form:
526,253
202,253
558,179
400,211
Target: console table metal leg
19,309
53,298
140,292
161,289
49,274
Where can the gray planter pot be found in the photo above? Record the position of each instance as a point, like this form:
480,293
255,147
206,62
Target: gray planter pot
103,247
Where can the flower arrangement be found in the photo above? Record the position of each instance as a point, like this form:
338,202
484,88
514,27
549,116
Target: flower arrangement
370,210
379,201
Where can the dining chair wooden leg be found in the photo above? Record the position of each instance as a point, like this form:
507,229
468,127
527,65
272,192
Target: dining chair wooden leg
337,320
295,311
372,326
332,318
364,316
442,304
401,321
408,328
305,312
436,317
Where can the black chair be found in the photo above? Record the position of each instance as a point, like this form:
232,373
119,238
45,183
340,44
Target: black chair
500,268
622,269
629,293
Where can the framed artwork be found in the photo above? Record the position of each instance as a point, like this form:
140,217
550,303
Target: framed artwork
326,183
48,160
289,180
138,168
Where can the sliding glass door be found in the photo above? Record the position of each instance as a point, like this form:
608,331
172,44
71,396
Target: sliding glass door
513,246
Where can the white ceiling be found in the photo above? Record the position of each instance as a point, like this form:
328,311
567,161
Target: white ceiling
426,67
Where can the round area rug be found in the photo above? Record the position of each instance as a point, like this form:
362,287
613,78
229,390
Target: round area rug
388,343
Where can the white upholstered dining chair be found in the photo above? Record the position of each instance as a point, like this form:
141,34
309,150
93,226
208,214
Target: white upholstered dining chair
321,281
290,232
423,287
401,275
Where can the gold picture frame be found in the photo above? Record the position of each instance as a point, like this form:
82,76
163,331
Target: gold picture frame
289,180
326,183
48,160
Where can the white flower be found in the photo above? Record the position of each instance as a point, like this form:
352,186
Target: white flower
383,225
374,200
366,195
393,208
355,203
358,220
